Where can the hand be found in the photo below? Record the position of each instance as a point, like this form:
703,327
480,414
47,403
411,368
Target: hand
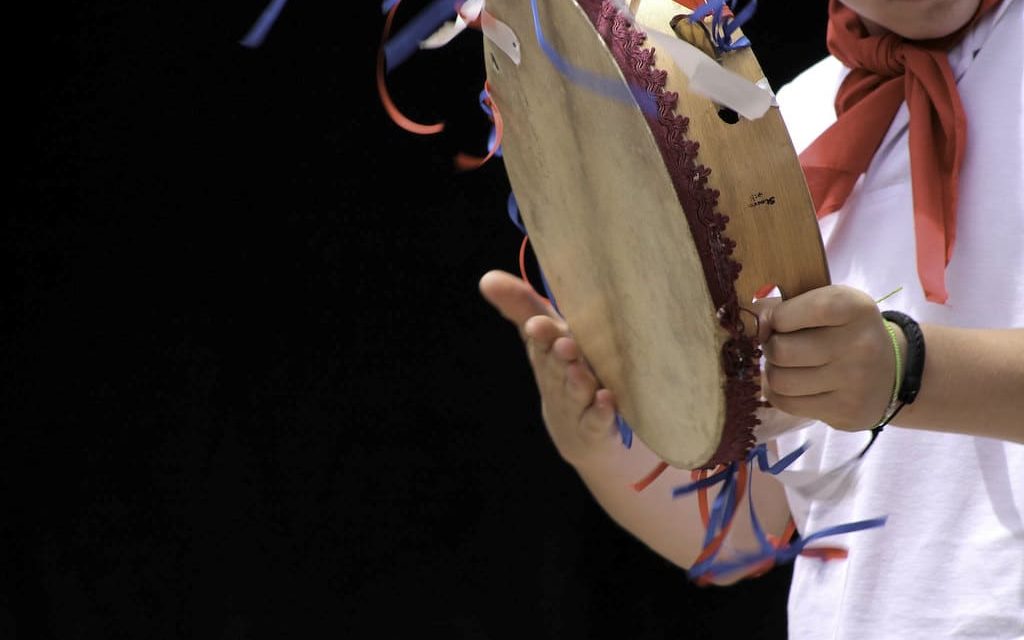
829,357
578,413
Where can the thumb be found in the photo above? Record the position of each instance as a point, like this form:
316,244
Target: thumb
514,298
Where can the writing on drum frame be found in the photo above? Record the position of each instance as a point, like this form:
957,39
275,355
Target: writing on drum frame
759,199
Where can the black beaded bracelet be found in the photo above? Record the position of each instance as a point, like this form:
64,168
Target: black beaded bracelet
913,359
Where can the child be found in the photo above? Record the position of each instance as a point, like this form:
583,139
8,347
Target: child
921,207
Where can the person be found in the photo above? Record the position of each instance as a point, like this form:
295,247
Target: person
948,472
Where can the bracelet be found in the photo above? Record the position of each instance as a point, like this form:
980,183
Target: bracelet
914,360
895,404
897,383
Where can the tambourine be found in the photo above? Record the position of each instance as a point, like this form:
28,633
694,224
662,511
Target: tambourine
655,211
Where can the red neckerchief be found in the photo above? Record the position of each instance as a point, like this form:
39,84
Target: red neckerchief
886,71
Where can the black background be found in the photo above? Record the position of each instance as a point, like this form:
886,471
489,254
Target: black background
250,389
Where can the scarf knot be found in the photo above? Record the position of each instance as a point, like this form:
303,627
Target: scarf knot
881,55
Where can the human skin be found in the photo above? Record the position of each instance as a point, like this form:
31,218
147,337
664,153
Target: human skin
914,19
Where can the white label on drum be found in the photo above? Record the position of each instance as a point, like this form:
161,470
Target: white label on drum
501,35
709,79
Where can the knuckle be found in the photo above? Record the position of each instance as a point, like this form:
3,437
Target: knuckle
827,308
839,304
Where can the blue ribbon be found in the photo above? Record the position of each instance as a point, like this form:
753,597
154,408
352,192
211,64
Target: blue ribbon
722,27
700,484
789,552
760,453
600,85
513,213
258,33
625,432
407,41
723,511
493,136
723,508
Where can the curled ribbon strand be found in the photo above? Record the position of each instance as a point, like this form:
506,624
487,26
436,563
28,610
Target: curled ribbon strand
389,106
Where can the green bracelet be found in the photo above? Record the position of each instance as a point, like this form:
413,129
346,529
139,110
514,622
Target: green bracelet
894,404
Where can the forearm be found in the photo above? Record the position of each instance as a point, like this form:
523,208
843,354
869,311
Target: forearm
670,526
973,383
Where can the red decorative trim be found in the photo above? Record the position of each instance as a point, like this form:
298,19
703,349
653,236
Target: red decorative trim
740,353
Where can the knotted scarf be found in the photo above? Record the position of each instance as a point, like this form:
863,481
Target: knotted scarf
886,71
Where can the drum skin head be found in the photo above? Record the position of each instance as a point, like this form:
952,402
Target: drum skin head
607,225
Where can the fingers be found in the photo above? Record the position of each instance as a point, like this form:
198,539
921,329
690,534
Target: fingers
598,419
580,385
541,333
764,309
828,357
830,306
545,330
803,381
553,353
847,393
556,361
567,349
811,406
835,408
579,414
803,348
513,298
589,437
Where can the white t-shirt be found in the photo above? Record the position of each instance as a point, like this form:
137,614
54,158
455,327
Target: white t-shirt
949,563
